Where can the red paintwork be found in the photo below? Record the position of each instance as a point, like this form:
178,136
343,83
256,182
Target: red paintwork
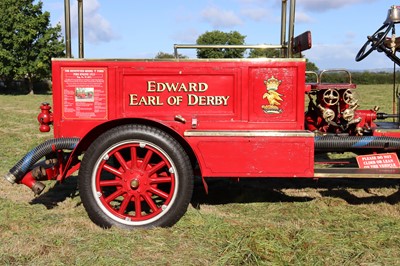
45,117
28,180
367,118
255,157
215,96
338,86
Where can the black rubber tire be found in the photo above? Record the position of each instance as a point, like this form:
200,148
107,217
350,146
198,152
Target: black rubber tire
133,139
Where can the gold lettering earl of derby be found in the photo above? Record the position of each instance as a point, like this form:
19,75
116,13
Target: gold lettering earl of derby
193,95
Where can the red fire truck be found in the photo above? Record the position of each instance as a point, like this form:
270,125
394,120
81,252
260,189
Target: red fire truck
139,131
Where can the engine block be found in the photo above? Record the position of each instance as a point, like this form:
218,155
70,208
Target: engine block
333,108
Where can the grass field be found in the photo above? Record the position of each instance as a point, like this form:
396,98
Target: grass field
254,222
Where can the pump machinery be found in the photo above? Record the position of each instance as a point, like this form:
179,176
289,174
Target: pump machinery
139,131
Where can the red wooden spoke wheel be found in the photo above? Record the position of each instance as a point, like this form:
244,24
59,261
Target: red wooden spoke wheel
135,176
141,186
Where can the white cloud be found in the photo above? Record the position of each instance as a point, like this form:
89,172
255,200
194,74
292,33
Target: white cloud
327,56
319,5
349,38
251,1
97,29
302,17
220,18
186,36
256,14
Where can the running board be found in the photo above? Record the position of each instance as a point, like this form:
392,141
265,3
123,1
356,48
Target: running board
357,173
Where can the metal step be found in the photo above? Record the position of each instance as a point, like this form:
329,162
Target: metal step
356,173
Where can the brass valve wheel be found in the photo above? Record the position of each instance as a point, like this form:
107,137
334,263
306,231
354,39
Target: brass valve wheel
349,97
331,96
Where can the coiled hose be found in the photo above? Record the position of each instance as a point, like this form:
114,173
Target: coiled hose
347,143
24,165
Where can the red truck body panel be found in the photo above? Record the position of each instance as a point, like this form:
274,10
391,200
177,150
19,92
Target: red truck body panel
241,118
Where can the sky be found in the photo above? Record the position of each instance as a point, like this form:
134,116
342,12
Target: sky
141,29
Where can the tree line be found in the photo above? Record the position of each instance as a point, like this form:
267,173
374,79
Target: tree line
359,77
27,43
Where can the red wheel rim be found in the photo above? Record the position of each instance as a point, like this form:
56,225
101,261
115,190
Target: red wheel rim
135,182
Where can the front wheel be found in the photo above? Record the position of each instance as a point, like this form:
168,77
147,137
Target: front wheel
135,176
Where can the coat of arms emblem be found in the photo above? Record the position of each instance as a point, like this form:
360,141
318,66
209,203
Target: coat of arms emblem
273,97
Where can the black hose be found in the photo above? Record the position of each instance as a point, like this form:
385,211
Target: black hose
348,143
24,165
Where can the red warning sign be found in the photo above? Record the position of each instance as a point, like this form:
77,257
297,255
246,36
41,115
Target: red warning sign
384,160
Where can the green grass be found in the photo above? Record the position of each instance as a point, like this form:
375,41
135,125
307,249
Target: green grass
252,222
376,95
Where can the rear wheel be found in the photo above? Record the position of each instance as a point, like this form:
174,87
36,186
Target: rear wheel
135,176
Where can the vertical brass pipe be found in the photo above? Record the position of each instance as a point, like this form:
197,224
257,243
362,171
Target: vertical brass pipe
283,28
67,16
291,27
80,28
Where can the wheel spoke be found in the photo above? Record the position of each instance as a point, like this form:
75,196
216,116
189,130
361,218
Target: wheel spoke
110,183
160,180
150,202
159,193
138,207
133,157
124,204
121,161
112,170
114,195
146,159
156,168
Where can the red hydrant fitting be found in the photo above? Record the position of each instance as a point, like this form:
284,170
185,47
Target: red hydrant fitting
45,117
